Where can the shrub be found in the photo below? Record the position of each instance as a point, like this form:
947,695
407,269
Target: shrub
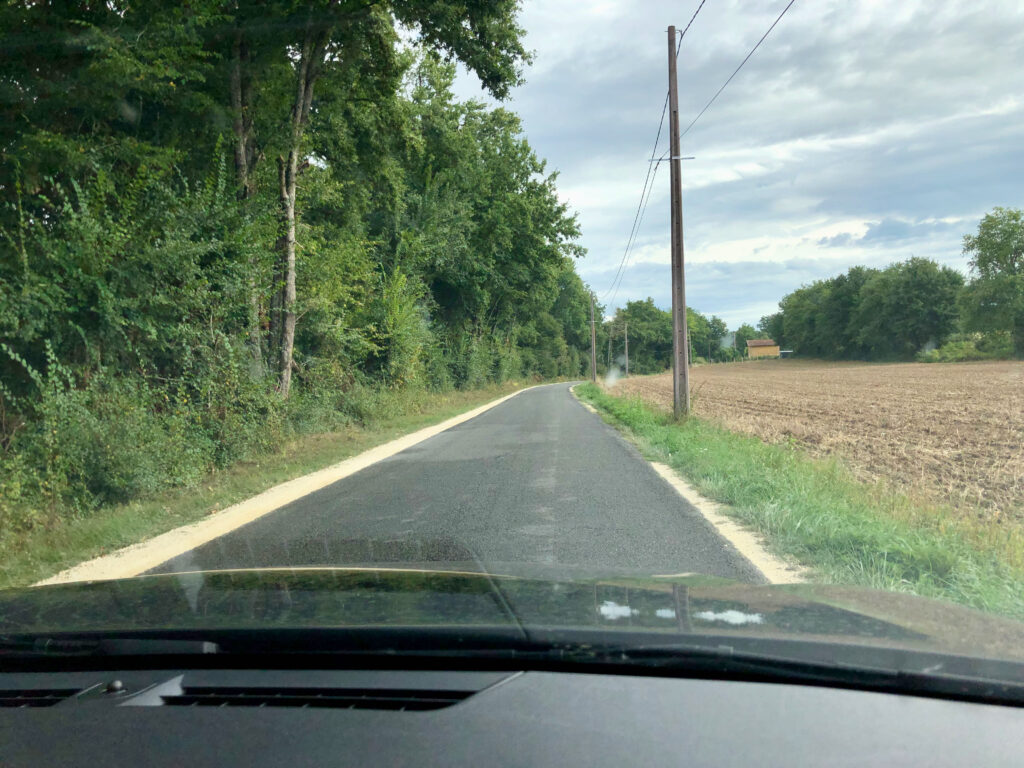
967,347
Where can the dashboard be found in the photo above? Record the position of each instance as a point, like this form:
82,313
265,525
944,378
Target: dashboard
299,717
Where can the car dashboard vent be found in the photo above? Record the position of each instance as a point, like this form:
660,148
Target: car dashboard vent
35,697
335,698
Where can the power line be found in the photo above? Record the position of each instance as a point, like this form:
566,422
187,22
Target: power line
718,93
687,27
648,180
643,210
643,191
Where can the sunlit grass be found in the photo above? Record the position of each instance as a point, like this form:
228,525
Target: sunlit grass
816,512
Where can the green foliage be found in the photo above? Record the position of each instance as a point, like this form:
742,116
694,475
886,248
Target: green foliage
819,320
906,306
869,313
771,326
902,310
745,333
650,336
994,298
139,267
996,345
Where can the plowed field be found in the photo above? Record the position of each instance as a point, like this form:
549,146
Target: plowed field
949,432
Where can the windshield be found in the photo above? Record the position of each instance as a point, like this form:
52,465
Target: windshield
699,322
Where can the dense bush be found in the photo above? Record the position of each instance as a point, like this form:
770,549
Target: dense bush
966,347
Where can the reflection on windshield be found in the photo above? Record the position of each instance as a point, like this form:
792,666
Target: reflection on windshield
326,597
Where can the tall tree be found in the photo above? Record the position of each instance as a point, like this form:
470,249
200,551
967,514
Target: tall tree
330,39
743,334
906,306
994,298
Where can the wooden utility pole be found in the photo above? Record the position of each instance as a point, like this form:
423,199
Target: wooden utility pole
680,347
593,343
609,346
625,332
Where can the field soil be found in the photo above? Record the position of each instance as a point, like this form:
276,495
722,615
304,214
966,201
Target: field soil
952,433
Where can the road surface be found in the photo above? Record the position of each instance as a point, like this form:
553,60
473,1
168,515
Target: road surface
535,486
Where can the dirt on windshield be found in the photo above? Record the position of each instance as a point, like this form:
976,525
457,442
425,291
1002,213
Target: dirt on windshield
952,433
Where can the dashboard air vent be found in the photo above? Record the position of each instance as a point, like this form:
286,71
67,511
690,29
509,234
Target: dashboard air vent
336,698
34,697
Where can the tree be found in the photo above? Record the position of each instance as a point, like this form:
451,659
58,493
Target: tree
771,327
700,332
837,338
650,336
718,331
906,306
869,313
743,334
993,300
145,271
339,39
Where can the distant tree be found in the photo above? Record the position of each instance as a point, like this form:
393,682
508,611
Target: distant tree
994,298
803,326
718,331
743,334
906,306
650,336
700,332
844,296
771,326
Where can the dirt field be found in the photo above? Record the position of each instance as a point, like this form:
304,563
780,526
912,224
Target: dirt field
951,432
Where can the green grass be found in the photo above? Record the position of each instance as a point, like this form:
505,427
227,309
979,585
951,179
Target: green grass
815,511
45,551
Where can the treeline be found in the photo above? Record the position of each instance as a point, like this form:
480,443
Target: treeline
649,329
916,308
224,223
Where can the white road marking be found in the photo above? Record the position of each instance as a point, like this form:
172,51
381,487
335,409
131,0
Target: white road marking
775,570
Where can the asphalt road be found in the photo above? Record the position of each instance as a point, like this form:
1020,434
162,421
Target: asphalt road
537,485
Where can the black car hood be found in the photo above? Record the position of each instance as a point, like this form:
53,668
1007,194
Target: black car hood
329,597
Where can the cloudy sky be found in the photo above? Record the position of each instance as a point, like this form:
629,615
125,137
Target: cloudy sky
860,132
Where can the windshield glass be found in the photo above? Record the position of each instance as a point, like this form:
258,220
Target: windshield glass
679,322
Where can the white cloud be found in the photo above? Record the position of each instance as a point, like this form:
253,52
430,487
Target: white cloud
858,133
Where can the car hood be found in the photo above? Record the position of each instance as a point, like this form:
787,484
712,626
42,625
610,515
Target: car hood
666,606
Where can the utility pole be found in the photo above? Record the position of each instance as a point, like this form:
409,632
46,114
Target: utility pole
625,332
680,347
593,343
609,347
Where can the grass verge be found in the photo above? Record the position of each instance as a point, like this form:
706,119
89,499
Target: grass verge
43,552
816,512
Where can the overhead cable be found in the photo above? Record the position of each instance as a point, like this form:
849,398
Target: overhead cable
719,91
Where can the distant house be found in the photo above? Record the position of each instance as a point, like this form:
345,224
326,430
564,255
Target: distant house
762,348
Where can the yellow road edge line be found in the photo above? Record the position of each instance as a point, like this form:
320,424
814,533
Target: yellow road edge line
137,558
747,543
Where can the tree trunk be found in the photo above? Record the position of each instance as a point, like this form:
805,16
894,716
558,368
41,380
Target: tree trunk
286,260
307,69
245,158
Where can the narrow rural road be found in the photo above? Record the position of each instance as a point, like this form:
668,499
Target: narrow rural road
537,485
